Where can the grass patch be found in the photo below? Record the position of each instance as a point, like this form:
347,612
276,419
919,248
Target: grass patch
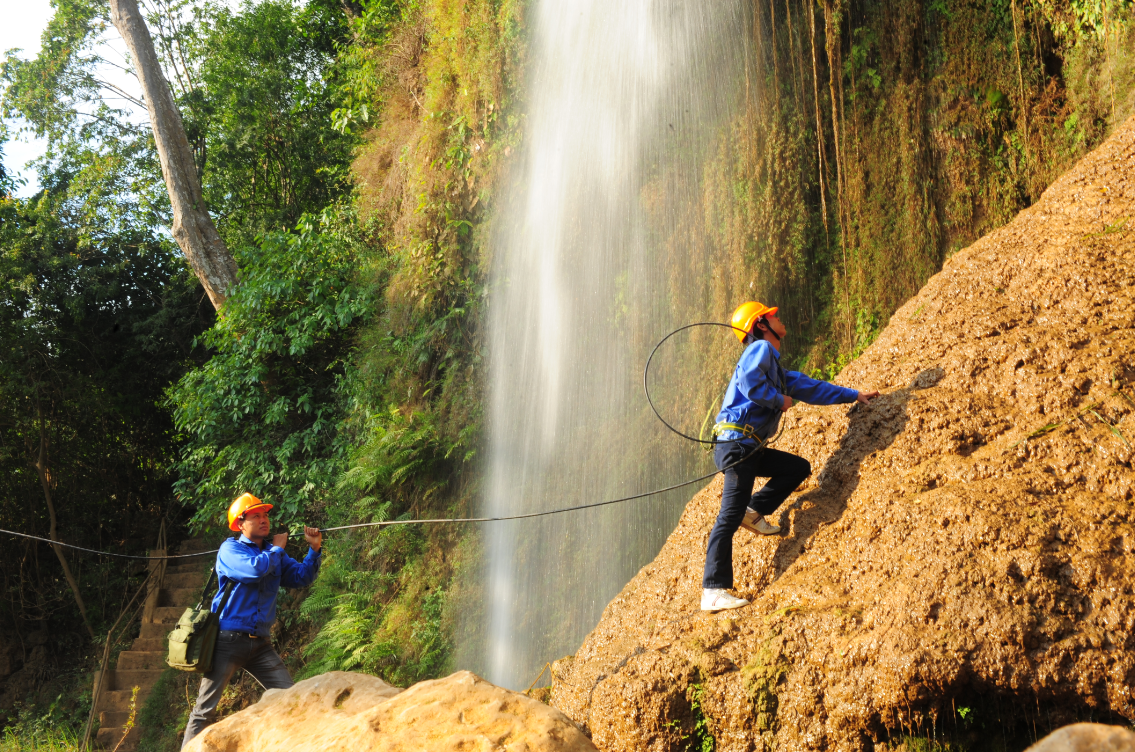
166,711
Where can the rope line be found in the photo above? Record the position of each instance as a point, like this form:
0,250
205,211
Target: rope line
107,553
760,444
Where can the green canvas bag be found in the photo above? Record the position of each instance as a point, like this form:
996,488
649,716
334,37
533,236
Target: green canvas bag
193,640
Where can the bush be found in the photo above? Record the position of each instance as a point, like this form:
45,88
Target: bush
264,414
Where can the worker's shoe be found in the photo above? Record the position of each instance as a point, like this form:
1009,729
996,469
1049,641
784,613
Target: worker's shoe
755,522
716,599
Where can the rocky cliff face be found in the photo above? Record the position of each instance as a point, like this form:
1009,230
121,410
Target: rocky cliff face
965,542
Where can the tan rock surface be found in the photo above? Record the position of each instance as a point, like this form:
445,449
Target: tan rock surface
356,712
965,542
1087,737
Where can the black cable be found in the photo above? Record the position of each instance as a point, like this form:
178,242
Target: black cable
646,386
106,553
760,444
550,511
386,523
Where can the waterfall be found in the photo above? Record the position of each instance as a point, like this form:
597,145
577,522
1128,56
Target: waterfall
592,261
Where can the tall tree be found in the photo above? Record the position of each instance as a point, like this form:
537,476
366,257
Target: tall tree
193,228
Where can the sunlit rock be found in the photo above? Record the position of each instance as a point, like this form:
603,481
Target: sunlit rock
356,712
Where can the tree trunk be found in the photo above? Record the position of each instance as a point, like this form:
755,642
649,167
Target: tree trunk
819,124
41,468
193,228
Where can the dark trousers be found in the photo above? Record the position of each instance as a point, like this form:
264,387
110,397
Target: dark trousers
235,651
785,473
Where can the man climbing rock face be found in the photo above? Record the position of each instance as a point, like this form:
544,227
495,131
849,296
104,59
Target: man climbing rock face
758,393
255,569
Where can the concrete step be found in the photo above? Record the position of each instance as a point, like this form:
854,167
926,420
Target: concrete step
180,597
190,545
194,580
109,738
137,660
154,630
198,569
115,699
115,718
150,644
168,614
129,678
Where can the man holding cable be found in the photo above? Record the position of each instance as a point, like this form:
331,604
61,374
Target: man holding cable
758,393
256,569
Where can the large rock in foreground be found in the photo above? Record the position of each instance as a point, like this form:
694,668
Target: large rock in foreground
356,712
961,557
1087,737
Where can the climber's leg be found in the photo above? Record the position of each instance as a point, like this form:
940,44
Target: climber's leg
734,498
785,473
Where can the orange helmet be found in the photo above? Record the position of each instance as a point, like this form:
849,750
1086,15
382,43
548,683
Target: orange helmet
244,503
746,316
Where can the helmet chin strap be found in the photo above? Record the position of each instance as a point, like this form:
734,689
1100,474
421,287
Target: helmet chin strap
768,328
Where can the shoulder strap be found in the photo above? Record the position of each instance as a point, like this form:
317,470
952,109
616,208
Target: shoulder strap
207,588
229,588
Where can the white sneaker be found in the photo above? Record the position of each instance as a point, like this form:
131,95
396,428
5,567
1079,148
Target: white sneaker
716,599
755,522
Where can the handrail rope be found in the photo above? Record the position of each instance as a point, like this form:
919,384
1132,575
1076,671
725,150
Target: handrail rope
760,444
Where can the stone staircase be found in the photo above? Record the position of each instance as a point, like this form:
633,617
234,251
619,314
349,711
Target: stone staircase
144,662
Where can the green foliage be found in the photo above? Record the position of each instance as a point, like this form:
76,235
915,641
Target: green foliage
50,90
949,118
762,677
258,100
361,79
52,730
264,414
93,326
434,78
166,711
701,739
255,89
382,597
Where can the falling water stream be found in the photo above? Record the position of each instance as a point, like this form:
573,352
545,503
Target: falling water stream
591,265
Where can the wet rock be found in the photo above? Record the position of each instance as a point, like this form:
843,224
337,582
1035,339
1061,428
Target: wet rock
968,535
357,712
1087,737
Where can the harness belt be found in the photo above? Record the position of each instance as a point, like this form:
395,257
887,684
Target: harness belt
746,430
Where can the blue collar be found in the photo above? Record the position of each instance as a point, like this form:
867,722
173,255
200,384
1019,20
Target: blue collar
249,542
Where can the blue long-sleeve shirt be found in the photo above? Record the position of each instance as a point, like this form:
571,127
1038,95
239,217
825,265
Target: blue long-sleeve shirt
258,574
755,395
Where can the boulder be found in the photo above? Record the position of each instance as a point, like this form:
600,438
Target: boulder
1087,737
965,542
356,712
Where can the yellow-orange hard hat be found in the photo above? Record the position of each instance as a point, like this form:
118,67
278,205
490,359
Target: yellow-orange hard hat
243,504
746,315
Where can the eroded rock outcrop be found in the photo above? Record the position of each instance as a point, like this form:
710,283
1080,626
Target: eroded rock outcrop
965,542
348,711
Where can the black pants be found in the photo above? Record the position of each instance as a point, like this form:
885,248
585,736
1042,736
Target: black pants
785,473
235,651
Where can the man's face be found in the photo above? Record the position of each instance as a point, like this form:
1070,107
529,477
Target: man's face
255,524
777,327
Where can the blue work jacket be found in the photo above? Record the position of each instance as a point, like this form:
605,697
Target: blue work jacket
755,395
258,573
